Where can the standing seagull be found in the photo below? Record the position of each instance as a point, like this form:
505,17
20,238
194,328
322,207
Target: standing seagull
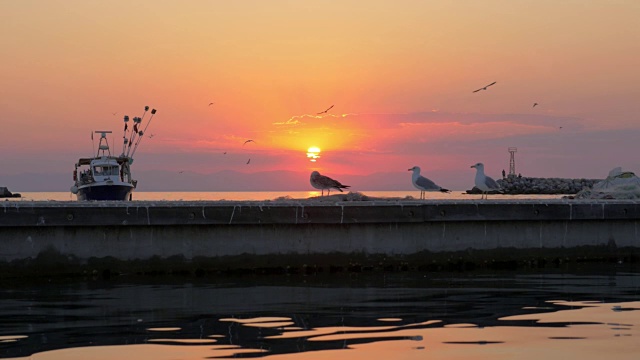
322,182
324,112
483,182
423,184
484,88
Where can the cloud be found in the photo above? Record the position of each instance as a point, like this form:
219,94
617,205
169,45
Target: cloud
395,120
408,132
298,119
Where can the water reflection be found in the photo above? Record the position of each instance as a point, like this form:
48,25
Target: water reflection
380,316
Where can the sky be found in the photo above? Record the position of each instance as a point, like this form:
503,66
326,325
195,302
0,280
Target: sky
400,76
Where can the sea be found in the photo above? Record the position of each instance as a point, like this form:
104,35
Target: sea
587,313
570,311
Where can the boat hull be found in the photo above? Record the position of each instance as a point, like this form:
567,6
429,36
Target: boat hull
103,192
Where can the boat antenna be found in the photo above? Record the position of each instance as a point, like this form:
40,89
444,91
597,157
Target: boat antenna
93,144
153,112
101,147
124,137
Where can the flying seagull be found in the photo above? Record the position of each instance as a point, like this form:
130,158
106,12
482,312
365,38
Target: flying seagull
247,142
210,103
535,104
248,161
423,184
324,112
484,182
484,88
115,113
323,183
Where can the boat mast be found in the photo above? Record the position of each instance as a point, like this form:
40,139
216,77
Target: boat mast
124,136
153,112
135,132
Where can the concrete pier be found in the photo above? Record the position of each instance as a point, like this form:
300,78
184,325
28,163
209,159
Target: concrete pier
304,235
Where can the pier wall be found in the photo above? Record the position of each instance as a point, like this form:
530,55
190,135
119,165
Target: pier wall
275,234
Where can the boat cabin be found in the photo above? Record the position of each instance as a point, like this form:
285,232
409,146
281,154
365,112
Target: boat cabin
105,168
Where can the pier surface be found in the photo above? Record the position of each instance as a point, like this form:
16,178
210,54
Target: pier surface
304,234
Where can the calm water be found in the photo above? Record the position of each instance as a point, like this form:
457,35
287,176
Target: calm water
268,195
589,314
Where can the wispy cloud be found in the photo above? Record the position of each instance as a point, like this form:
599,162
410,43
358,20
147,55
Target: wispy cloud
298,119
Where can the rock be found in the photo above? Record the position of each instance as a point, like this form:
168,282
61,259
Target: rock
618,185
5,193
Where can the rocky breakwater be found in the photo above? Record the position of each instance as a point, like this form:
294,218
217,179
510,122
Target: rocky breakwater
530,185
514,185
5,193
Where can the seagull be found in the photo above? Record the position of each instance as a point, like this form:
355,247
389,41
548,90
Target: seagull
210,104
224,153
535,104
484,88
322,182
248,161
151,136
484,182
423,184
324,112
247,142
115,113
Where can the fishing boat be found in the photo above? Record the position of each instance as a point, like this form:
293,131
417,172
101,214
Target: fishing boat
105,176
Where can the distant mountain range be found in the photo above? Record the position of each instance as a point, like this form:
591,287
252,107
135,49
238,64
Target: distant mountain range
221,181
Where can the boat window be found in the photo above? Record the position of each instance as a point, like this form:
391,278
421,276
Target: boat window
105,170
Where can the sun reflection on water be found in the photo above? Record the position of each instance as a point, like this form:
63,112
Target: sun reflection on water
585,330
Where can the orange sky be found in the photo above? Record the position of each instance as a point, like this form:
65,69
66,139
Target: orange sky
400,76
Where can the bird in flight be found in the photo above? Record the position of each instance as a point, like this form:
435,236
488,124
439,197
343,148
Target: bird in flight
224,153
210,103
485,88
535,104
324,112
180,172
247,142
115,113
248,161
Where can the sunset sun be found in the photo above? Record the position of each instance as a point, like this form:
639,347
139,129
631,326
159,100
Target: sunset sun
313,153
